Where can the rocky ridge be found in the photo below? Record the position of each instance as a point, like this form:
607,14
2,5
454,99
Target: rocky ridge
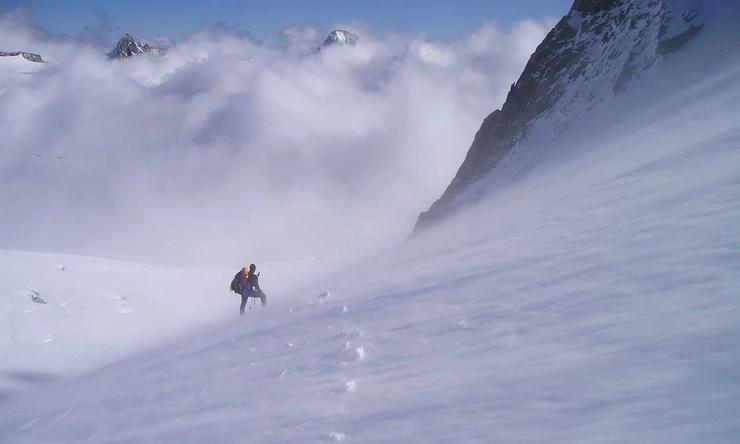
593,53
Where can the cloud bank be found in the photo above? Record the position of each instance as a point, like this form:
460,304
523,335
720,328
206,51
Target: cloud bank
230,150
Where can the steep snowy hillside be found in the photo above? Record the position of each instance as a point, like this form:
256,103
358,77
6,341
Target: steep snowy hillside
587,293
62,315
597,51
594,300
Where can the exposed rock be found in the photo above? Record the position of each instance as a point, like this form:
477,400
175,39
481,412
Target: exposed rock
599,42
30,56
36,297
128,47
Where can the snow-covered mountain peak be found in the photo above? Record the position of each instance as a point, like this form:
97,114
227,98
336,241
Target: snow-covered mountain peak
593,54
340,37
127,46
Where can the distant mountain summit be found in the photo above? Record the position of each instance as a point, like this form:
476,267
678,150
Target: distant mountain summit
592,54
128,47
30,56
340,37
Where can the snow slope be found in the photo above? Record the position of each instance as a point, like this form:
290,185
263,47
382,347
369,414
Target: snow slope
593,301
63,315
593,55
12,67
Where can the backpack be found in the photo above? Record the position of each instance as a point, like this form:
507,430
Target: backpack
235,287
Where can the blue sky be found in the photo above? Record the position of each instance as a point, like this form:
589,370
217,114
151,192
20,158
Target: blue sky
263,19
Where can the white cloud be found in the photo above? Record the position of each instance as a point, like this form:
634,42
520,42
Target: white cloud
234,150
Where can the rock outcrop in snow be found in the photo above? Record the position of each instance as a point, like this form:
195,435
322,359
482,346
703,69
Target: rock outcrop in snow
30,56
340,37
128,47
592,54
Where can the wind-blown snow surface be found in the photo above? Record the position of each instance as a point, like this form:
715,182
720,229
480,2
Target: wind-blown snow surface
595,300
62,315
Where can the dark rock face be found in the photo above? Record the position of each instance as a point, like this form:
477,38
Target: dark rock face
607,42
30,56
128,47
668,45
594,6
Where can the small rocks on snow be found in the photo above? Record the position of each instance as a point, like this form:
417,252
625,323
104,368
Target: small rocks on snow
36,297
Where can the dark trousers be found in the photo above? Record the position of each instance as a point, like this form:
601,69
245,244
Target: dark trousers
254,294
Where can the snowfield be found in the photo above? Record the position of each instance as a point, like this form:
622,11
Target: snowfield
596,300
64,314
17,68
592,296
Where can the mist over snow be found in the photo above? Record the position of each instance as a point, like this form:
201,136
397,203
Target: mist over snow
230,148
586,290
